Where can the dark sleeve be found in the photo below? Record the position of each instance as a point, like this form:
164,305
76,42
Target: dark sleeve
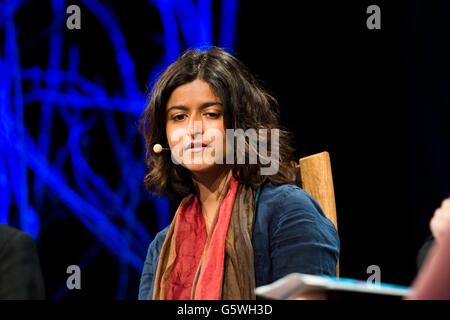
423,251
303,239
150,266
148,273
20,271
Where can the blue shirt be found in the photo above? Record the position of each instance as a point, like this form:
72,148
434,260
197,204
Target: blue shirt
291,234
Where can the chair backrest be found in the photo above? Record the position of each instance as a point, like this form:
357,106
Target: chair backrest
317,180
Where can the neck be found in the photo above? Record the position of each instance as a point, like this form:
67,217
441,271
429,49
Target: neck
211,189
212,186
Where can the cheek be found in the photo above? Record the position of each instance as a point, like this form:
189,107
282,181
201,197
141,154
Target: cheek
224,139
168,133
219,125
174,135
220,128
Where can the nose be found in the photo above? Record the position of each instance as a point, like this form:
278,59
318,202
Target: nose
195,128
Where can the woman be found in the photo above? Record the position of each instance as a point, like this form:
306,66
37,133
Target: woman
237,227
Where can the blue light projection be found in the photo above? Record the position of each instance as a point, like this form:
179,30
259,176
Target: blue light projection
108,213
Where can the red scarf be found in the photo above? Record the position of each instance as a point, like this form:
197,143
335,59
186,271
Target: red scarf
190,240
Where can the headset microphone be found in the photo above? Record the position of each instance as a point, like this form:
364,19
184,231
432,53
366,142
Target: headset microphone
158,148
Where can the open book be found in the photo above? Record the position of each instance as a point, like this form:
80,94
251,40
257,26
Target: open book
297,284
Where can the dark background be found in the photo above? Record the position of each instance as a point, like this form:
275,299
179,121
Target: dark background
341,88
376,100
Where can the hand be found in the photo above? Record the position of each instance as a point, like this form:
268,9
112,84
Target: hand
441,220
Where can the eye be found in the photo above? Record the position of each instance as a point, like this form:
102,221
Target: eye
178,117
213,115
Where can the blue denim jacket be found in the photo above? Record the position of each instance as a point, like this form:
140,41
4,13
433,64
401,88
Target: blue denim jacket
291,234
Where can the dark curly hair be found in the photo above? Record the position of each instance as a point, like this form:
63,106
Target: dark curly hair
246,105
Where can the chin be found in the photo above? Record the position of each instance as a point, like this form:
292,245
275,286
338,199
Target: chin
207,165
201,167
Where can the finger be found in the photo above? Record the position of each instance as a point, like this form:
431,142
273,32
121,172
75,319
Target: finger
446,203
437,213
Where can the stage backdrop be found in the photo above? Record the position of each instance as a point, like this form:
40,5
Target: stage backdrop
75,77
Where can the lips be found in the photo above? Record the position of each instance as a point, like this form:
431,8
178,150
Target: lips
196,145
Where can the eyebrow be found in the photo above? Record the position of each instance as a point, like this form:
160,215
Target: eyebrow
203,106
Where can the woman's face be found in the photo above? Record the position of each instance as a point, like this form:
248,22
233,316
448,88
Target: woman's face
195,127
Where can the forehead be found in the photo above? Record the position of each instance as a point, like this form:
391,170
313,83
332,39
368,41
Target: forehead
193,93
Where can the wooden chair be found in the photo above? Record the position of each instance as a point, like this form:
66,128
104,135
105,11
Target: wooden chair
317,180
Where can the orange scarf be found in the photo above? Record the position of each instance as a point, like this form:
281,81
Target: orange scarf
226,271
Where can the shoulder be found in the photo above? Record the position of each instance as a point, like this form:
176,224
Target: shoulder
161,236
155,246
20,271
13,240
6,233
292,227
288,196
286,205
